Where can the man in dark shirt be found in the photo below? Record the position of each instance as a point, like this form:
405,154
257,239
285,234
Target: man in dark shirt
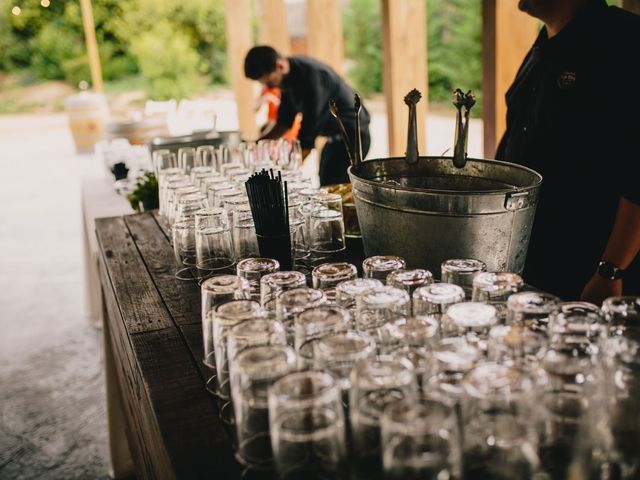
307,86
573,116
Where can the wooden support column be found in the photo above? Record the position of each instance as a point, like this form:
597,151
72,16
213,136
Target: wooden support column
507,36
404,43
273,26
92,45
239,41
632,6
325,40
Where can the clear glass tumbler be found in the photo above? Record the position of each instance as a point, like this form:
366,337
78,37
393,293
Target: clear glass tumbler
461,272
435,299
214,248
291,303
380,305
273,284
409,280
380,266
329,275
313,324
253,269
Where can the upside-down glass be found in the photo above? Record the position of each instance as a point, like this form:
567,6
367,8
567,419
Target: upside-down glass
326,233
472,320
255,369
253,269
338,353
347,292
214,248
380,266
494,287
420,441
184,249
163,159
206,156
461,272
273,284
380,305
245,242
517,346
329,275
623,315
532,310
409,280
186,159
214,189
291,303
375,384
187,203
226,316
499,439
421,332
253,333
307,427
434,299
215,291
313,324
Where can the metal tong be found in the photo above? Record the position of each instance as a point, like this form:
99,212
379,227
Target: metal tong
460,100
411,99
357,153
333,108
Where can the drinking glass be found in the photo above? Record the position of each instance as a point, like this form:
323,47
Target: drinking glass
421,332
308,193
206,156
221,197
516,345
255,369
470,319
273,284
187,203
307,425
420,441
328,275
623,315
253,333
245,241
499,439
223,156
338,353
461,272
532,309
347,291
380,266
205,183
380,305
291,303
215,291
186,159
375,384
214,249
163,159
184,248
299,240
495,287
409,280
253,269
226,316
578,325
436,298
313,324
173,201
213,190
326,233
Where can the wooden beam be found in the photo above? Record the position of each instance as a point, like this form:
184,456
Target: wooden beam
325,40
404,43
631,5
92,45
273,26
507,36
239,40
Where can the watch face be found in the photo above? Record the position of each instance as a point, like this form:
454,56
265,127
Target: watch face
608,270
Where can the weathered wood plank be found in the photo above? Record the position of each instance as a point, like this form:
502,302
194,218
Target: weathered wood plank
324,32
173,423
181,298
133,290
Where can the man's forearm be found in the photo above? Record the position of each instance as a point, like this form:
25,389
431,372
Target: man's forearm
624,241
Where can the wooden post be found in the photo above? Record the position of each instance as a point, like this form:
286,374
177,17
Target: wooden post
507,36
239,41
324,32
273,26
404,43
92,45
632,6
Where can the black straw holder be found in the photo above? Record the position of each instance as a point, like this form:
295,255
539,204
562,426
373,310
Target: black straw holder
277,247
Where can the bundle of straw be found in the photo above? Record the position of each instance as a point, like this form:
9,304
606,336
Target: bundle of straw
270,211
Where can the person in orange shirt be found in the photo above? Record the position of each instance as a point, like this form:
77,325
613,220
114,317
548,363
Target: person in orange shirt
271,96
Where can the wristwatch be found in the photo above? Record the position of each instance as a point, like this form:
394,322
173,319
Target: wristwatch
609,271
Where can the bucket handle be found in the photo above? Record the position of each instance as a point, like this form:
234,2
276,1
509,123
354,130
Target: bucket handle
516,200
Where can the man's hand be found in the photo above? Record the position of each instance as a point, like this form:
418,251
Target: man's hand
599,288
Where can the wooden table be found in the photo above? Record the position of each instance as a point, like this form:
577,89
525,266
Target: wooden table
154,330
153,351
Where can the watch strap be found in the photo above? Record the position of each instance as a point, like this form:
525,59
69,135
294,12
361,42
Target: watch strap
609,271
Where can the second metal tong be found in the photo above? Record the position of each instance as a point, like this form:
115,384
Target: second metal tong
460,100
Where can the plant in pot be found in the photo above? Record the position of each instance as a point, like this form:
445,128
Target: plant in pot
145,194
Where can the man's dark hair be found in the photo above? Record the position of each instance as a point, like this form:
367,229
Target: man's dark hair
260,61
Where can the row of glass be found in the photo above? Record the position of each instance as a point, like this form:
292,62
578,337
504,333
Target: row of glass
397,376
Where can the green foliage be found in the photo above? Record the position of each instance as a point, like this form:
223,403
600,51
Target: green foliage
145,194
363,44
454,46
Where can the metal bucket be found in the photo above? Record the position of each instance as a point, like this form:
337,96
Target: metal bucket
432,211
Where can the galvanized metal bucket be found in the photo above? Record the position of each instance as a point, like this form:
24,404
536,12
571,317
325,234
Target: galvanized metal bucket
432,211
